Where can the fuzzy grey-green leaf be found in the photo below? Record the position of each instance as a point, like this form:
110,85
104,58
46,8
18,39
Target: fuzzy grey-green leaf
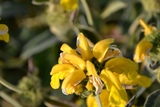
153,99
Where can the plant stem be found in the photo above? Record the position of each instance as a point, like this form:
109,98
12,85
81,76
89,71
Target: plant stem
9,86
9,99
88,13
98,100
72,18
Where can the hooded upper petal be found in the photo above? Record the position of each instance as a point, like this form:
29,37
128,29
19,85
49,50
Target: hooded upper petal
72,80
83,45
122,65
142,50
67,49
100,48
73,59
140,80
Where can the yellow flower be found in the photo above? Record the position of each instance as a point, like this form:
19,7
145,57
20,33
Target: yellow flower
104,96
142,50
144,46
90,69
71,82
4,32
69,4
60,71
117,93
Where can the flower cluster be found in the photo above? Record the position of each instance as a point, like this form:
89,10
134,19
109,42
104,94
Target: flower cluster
4,32
96,69
149,46
144,46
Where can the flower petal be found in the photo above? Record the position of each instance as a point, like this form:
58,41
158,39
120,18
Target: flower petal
105,78
60,60
91,101
91,70
104,96
144,81
3,29
1,37
131,74
125,80
119,62
4,37
95,78
115,97
118,97
123,94
67,49
142,50
140,80
55,81
89,86
122,65
78,88
114,79
147,29
84,47
62,68
74,60
100,48
72,80
69,4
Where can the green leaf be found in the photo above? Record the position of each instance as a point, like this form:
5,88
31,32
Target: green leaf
112,8
38,44
153,100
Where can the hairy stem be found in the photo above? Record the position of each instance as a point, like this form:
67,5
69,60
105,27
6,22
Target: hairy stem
9,86
98,100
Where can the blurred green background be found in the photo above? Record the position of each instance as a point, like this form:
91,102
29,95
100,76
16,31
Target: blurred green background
37,32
